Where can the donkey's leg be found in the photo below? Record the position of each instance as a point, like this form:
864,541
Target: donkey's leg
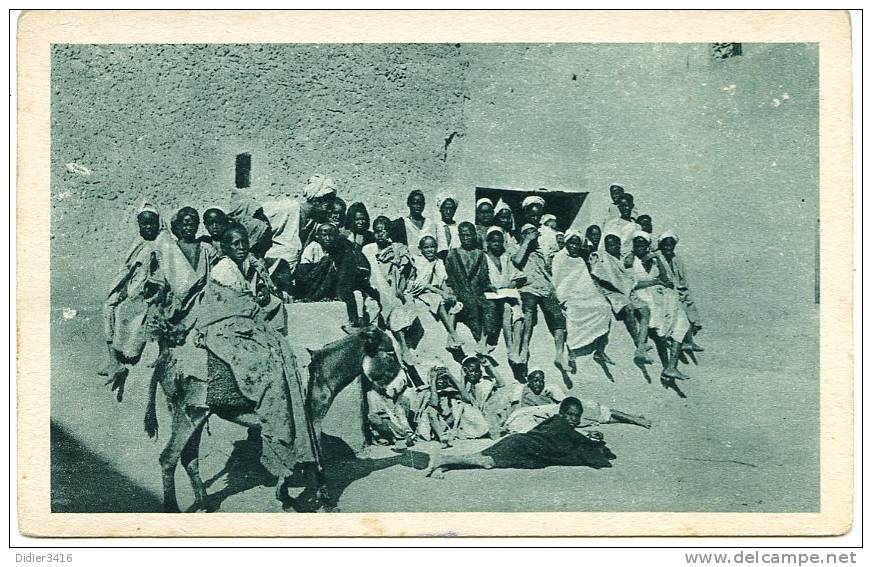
191,461
180,433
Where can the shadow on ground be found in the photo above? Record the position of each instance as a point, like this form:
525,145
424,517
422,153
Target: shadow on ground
83,482
243,470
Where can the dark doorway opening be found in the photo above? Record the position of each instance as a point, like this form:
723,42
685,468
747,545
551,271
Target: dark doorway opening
564,205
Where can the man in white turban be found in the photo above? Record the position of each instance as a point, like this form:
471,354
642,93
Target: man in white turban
538,292
533,200
484,218
666,315
674,270
623,226
588,314
284,227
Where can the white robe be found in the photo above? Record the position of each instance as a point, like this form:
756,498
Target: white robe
414,235
622,228
588,314
442,243
668,318
284,218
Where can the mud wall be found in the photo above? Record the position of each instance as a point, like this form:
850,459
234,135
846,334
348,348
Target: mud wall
166,122
725,152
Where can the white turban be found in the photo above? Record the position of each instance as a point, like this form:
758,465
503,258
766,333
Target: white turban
527,227
493,229
548,217
532,199
501,205
573,232
668,234
318,186
642,234
482,201
445,196
146,207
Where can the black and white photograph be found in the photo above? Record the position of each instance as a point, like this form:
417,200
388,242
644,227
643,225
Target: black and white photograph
435,277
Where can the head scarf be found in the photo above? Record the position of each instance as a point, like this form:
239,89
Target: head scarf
146,207
318,186
573,232
492,230
641,234
531,200
527,227
668,234
444,196
482,201
548,217
143,206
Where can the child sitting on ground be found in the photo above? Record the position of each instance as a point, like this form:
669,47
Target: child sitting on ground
458,410
388,408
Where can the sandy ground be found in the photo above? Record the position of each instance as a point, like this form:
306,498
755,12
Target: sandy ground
741,436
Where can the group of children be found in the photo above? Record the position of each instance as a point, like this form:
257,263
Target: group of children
486,275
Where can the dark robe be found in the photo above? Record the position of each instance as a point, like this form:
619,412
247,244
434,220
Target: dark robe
319,281
552,442
469,283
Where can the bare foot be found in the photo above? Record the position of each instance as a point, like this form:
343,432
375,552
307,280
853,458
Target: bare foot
641,355
567,381
603,358
438,474
435,468
573,366
117,380
674,374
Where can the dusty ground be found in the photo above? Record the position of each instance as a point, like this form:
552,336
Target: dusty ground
743,436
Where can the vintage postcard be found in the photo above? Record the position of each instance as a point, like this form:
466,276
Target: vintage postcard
434,273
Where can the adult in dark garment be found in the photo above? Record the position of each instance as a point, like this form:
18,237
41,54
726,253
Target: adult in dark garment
554,442
468,278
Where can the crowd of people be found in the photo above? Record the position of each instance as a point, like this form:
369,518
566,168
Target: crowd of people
492,274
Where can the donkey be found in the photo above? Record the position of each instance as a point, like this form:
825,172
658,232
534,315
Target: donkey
367,352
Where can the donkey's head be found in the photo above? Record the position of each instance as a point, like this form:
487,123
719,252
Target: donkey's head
380,362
